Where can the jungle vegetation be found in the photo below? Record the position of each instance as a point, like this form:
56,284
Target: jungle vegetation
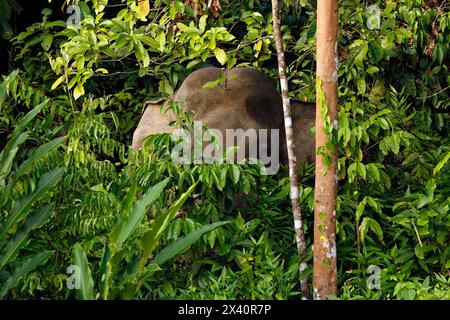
72,92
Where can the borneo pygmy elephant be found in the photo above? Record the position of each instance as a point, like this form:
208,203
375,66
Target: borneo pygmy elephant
240,98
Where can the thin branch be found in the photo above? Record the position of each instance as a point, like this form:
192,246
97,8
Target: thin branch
434,94
297,215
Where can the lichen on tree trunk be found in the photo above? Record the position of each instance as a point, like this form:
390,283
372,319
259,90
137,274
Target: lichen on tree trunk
326,181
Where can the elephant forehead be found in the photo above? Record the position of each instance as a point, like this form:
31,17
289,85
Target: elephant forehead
240,84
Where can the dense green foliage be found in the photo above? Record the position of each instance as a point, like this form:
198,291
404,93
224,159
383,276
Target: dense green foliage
69,180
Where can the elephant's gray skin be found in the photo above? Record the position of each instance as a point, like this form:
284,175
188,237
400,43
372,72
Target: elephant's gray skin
245,99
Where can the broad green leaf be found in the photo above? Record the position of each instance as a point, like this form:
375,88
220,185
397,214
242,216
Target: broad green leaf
360,209
105,272
9,153
221,55
57,82
361,168
151,237
79,259
132,219
359,59
47,42
184,243
144,9
129,197
38,154
361,84
29,116
23,206
35,221
374,171
26,266
202,23
441,164
351,171
424,200
152,43
420,251
376,228
78,91
372,70
235,173
161,38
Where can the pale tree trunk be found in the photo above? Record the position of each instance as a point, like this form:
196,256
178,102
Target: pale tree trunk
324,269
298,225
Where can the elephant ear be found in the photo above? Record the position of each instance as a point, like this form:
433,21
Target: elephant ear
304,116
265,108
302,109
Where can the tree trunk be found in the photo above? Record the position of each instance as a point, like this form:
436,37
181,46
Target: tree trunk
324,270
298,225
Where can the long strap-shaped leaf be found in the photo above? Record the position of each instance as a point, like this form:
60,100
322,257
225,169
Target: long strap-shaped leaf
23,206
38,154
184,243
26,266
175,248
27,165
24,121
35,221
86,291
151,237
132,220
9,153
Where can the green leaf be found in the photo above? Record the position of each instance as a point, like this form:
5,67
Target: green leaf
374,172
361,168
104,270
424,200
202,23
184,243
132,219
376,51
86,292
221,55
35,221
38,154
420,251
441,164
235,173
351,171
15,139
371,70
152,43
376,228
359,59
9,153
29,116
78,91
57,82
23,206
361,84
143,9
373,225
151,237
360,209
25,266
47,42
161,38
